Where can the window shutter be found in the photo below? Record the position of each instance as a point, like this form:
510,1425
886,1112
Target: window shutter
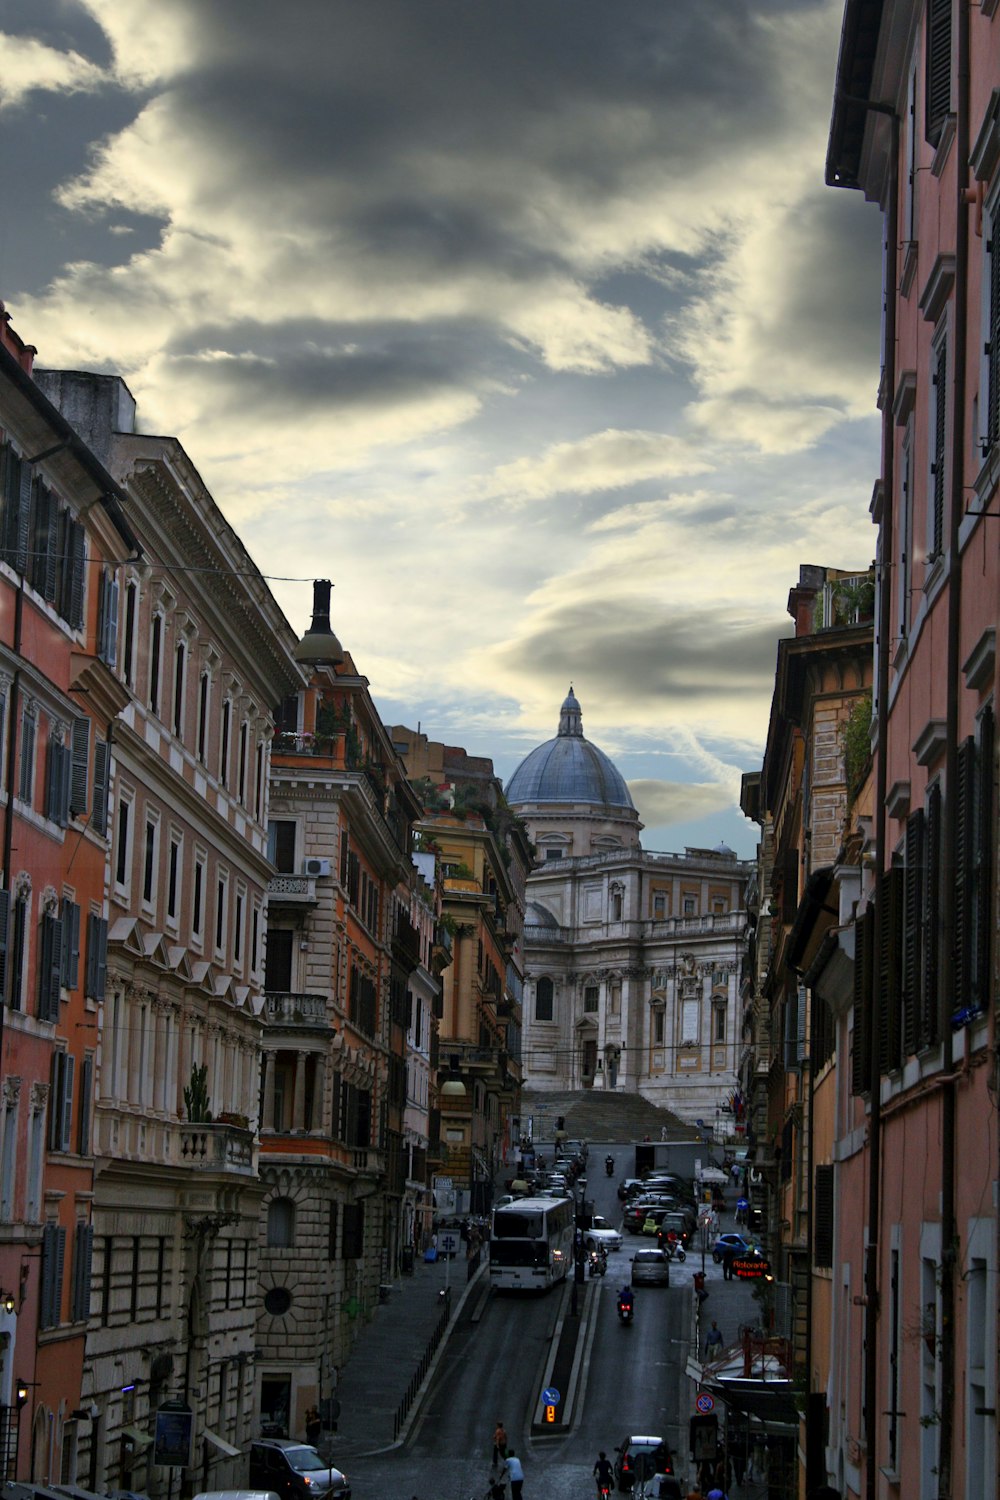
76,573
97,956
912,911
102,778
860,1070
823,1217
928,1028
938,467
53,777
83,1258
55,1100
964,834
4,929
108,622
45,1318
80,768
938,79
23,540
984,863
993,334
86,1102
889,918
66,1122
50,968
48,535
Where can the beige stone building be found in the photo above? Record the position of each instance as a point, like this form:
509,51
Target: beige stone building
632,959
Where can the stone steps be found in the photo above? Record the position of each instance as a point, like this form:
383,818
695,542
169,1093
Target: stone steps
596,1115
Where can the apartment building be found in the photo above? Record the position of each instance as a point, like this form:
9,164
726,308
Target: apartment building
62,532
911,1388
198,653
344,942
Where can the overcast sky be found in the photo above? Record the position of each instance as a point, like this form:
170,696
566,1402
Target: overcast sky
529,322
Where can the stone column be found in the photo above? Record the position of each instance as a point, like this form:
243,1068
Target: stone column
267,1123
299,1096
318,1121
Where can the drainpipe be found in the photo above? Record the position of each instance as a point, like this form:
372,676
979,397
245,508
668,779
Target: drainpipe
949,1228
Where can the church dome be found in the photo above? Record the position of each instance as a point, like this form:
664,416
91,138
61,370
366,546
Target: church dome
569,769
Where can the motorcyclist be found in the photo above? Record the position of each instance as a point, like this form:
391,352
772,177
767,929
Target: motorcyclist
604,1473
626,1296
609,1164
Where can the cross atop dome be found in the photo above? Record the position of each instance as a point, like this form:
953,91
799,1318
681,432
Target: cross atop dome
570,716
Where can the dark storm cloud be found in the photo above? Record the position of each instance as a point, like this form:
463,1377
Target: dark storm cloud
632,651
303,366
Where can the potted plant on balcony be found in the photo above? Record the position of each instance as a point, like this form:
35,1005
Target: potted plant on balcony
196,1096
234,1118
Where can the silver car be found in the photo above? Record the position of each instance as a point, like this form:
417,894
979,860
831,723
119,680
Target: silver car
650,1268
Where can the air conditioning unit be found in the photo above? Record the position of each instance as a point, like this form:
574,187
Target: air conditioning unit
315,867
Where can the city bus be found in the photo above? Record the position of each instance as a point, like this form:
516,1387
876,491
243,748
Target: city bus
531,1243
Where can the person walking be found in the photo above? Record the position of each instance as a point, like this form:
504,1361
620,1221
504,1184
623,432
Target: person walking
314,1426
728,1256
512,1470
714,1339
499,1443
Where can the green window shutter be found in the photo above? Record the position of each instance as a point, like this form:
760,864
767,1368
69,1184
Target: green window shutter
102,780
823,1217
928,1024
80,772
938,73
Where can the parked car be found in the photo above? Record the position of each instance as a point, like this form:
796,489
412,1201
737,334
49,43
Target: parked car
629,1186
601,1232
641,1456
650,1268
294,1471
735,1242
636,1213
674,1224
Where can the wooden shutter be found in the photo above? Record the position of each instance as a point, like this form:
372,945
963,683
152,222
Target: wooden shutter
912,911
928,1027
66,1102
888,920
97,957
50,1235
863,938
938,75
76,563
4,929
992,426
823,1217
86,1104
964,843
984,863
83,1257
102,779
57,783
70,943
80,772
50,967
938,466
22,539
108,620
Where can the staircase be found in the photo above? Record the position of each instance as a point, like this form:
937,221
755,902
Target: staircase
598,1115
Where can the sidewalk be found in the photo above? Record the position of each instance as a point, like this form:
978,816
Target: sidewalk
386,1357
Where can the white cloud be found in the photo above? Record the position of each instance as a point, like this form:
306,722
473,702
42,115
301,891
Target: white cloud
27,66
609,460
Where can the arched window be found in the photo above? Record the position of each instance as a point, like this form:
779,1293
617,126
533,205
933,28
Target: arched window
544,1000
281,1223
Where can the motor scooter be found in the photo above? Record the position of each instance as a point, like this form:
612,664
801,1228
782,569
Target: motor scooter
626,1308
597,1261
609,1166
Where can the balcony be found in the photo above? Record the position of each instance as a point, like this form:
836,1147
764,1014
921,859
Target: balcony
209,1148
368,1160
291,890
287,1009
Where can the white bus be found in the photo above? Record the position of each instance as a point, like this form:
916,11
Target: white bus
531,1245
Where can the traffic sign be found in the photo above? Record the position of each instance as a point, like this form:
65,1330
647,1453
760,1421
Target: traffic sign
448,1242
743,1204
550,1396
705,1403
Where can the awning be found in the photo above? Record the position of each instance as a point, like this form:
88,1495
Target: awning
221,1444
138,1437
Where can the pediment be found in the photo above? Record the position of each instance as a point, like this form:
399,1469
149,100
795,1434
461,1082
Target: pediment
126,933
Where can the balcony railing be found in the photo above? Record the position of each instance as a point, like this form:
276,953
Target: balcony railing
291,888
368,1159
289,1009
208,1147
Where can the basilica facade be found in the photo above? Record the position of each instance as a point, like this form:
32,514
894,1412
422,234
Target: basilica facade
632,958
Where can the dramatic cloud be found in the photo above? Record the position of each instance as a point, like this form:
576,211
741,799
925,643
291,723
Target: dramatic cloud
664,802
536,321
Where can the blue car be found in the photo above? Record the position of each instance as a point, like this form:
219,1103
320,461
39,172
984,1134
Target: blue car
736,1243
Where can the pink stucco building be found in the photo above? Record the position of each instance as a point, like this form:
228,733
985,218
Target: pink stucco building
912,1385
